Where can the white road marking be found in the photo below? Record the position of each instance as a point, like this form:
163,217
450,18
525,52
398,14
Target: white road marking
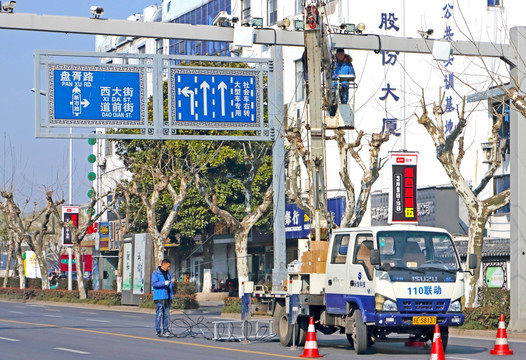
104,321
132,316
73,351
8,339
87,312
53,316
36,305
16,312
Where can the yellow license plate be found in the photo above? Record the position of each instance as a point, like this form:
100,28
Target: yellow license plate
424,320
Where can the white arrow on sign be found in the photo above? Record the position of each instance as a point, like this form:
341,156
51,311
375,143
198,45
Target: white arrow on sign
222,86
189,93
76,90
205,87
85,102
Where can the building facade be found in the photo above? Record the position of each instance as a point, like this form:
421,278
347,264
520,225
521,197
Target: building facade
389,88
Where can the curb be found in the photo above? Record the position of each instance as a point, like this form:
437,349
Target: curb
122,308
486,334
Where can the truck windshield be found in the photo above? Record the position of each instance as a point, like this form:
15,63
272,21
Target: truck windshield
417,249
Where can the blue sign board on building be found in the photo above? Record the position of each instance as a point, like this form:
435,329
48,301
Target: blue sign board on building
219,97
297,223
103,95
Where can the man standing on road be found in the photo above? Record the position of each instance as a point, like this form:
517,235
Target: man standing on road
162,296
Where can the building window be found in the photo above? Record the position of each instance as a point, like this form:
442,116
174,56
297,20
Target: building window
501,183
141,49
300,89
499,108
159,46
245,10
272,7
203,15
299,6
495,2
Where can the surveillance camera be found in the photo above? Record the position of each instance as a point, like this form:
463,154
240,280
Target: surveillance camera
425,33
221,18
9,6
97,11
283,24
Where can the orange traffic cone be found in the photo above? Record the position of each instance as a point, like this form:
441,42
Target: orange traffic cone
310,350
437,350
501,344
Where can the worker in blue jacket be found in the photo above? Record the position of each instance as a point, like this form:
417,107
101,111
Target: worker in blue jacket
342,66
162,296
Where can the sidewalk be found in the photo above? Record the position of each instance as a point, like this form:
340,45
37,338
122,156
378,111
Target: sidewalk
123,308
486,334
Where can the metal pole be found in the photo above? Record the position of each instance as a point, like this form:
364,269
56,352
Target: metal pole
70,202
70,268
275,111
518,194
294,347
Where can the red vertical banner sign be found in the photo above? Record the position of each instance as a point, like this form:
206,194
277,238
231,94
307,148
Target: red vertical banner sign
402,194
69,213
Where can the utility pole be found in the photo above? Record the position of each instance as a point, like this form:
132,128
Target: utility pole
318,63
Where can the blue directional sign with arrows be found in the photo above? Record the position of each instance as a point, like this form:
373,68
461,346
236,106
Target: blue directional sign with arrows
107,94
219,96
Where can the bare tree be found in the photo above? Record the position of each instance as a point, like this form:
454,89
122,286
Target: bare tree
355,207
31,229
10,249
79,231
150,201
478,210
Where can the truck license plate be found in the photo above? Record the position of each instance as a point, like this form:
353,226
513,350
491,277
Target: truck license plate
424,320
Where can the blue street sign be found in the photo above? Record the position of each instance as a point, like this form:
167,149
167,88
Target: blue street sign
216,96
108,94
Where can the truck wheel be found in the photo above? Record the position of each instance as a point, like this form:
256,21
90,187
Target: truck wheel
444,336
282,325
359,337
302,329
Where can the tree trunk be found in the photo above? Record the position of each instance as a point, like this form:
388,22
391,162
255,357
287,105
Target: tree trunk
43,267
208,248
77,250
477,222
119,268
9,256
20,265
240,238
158,247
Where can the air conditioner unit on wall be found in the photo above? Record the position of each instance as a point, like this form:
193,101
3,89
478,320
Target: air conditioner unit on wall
487,148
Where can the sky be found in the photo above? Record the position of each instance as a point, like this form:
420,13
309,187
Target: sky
28,165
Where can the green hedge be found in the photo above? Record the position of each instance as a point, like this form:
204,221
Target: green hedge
180,301
493,303
232,305
102,297
37,283
185,288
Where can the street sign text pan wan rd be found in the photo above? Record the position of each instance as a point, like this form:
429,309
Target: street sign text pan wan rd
105,95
